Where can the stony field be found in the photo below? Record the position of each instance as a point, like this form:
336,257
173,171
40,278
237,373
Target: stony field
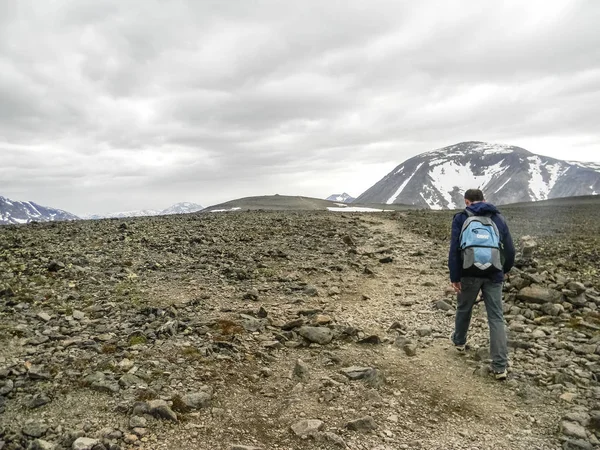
290,330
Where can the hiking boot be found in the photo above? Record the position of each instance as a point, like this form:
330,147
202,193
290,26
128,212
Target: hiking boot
459,348
500,376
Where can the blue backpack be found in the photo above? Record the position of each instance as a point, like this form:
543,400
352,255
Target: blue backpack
480,245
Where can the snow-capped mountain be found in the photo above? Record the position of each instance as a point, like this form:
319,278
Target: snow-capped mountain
123,214
182,208
342,198
14,212
505,173
177,208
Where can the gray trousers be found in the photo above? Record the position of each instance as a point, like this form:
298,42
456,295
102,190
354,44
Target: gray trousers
492,297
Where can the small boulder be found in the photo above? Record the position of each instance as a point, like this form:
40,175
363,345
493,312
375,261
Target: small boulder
410,349
301,370
319,335
538,294
161,410
84,443
444,306
40,444
34,429
424,331
573,429
197,400
363,425
307,427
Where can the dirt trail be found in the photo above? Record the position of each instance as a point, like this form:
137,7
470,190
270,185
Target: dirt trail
435,400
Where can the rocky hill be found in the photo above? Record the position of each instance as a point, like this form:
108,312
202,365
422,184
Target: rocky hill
15,212
506,174
295,203
271,329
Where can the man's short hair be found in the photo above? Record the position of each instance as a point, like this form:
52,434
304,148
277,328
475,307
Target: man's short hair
474,195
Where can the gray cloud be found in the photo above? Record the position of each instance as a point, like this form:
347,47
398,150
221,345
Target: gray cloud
109,105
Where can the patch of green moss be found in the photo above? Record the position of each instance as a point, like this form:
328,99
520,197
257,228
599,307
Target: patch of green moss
137,340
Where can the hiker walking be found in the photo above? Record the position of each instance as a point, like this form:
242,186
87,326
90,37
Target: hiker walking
481,253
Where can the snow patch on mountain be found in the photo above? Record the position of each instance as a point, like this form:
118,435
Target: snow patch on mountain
344,198
448,177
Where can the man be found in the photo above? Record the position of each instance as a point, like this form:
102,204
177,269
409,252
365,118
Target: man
468,283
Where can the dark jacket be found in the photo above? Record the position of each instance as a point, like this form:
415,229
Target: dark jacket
454,259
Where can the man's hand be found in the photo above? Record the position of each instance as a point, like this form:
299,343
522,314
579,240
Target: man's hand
457,287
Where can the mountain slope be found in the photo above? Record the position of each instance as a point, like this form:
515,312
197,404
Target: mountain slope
506,174
14,212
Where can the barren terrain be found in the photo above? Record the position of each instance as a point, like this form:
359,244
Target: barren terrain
287,330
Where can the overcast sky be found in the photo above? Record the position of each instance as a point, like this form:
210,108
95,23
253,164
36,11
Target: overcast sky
117,105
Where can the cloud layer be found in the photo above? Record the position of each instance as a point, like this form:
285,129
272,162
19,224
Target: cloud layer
110,105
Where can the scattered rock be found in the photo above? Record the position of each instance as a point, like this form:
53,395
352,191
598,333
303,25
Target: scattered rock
332,438
39,373
198,400
410,349
6,386
321,319
252,294
55,266
84,443
40,444
444,306
364,424
357,373
137,422
538,294
319,335
424,331
35,429
161,410
301,370
307,427
296,323
371,376
573,429
372,339
311,291
577,444
44,316
39,400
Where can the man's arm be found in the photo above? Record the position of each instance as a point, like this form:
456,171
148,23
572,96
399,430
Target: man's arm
454,261
509,247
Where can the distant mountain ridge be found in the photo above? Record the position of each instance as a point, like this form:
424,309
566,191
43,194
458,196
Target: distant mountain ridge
342,198
177,208
506,174
16,212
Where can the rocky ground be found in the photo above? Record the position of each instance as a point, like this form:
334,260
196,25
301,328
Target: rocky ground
283,330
